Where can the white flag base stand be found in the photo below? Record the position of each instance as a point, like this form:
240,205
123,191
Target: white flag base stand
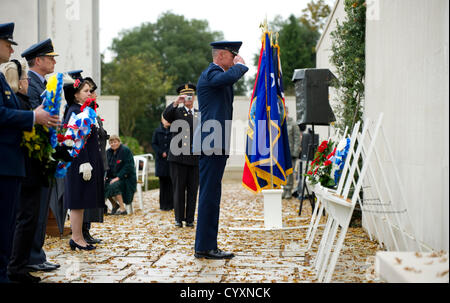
272,208
272,213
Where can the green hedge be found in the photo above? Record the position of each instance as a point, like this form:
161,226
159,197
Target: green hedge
152,182
132,144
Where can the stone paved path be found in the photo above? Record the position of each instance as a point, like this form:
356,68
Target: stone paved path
146,247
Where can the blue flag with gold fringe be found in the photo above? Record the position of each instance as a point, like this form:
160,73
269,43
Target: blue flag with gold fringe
267,160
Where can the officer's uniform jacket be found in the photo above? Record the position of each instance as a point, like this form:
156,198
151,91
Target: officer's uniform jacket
172,114
215,99
12,123
35,89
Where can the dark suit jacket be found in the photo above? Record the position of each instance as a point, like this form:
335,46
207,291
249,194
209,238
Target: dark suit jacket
35,89
12,122
215,100
161,144
102,138
182,136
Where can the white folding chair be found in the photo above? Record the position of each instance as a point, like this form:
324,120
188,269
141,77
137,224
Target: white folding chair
140,177
319,206
339,206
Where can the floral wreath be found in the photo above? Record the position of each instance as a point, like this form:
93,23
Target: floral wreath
320,168
75,134
41,141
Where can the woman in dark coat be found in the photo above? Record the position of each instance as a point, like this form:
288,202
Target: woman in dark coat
120,184
161,145
83,184
96,214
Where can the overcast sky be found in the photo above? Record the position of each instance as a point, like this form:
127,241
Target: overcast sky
238,20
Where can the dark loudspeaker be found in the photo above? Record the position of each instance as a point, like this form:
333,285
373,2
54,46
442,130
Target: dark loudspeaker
311,96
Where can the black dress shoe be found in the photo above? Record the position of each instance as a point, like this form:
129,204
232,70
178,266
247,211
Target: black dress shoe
73,245
89,239
40,267
23,278
92,240
52,264
189,224
214,254
178,224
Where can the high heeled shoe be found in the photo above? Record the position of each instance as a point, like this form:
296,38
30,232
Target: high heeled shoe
74,246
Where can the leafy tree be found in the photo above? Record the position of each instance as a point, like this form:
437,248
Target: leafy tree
157,57
139,83
348,56
297,49
315,15
180,45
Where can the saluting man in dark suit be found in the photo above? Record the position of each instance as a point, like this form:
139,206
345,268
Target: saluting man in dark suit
215,99
41,61
183,164
13,122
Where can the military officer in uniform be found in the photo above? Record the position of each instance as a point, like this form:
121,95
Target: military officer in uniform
13,122
183,165
215,99
41,61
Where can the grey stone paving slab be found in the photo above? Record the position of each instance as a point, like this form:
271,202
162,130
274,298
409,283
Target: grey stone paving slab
146,247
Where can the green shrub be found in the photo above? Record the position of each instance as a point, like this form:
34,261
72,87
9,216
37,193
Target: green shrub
152,182
132,144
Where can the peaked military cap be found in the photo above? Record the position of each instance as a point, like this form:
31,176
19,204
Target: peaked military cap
187,88
6,32
43,48
232,46
75,74
91,82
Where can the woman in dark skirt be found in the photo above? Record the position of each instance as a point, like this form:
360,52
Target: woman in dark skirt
120,184
83,184
161,145
96,214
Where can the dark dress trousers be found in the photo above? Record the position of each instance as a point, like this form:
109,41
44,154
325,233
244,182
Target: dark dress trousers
12,122
215,99
183,167
37,255
78,193
28,210
161,144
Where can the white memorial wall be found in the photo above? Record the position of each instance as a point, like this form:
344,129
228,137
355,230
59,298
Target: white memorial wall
407,79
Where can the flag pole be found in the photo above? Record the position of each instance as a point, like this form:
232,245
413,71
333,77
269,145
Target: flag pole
269,121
